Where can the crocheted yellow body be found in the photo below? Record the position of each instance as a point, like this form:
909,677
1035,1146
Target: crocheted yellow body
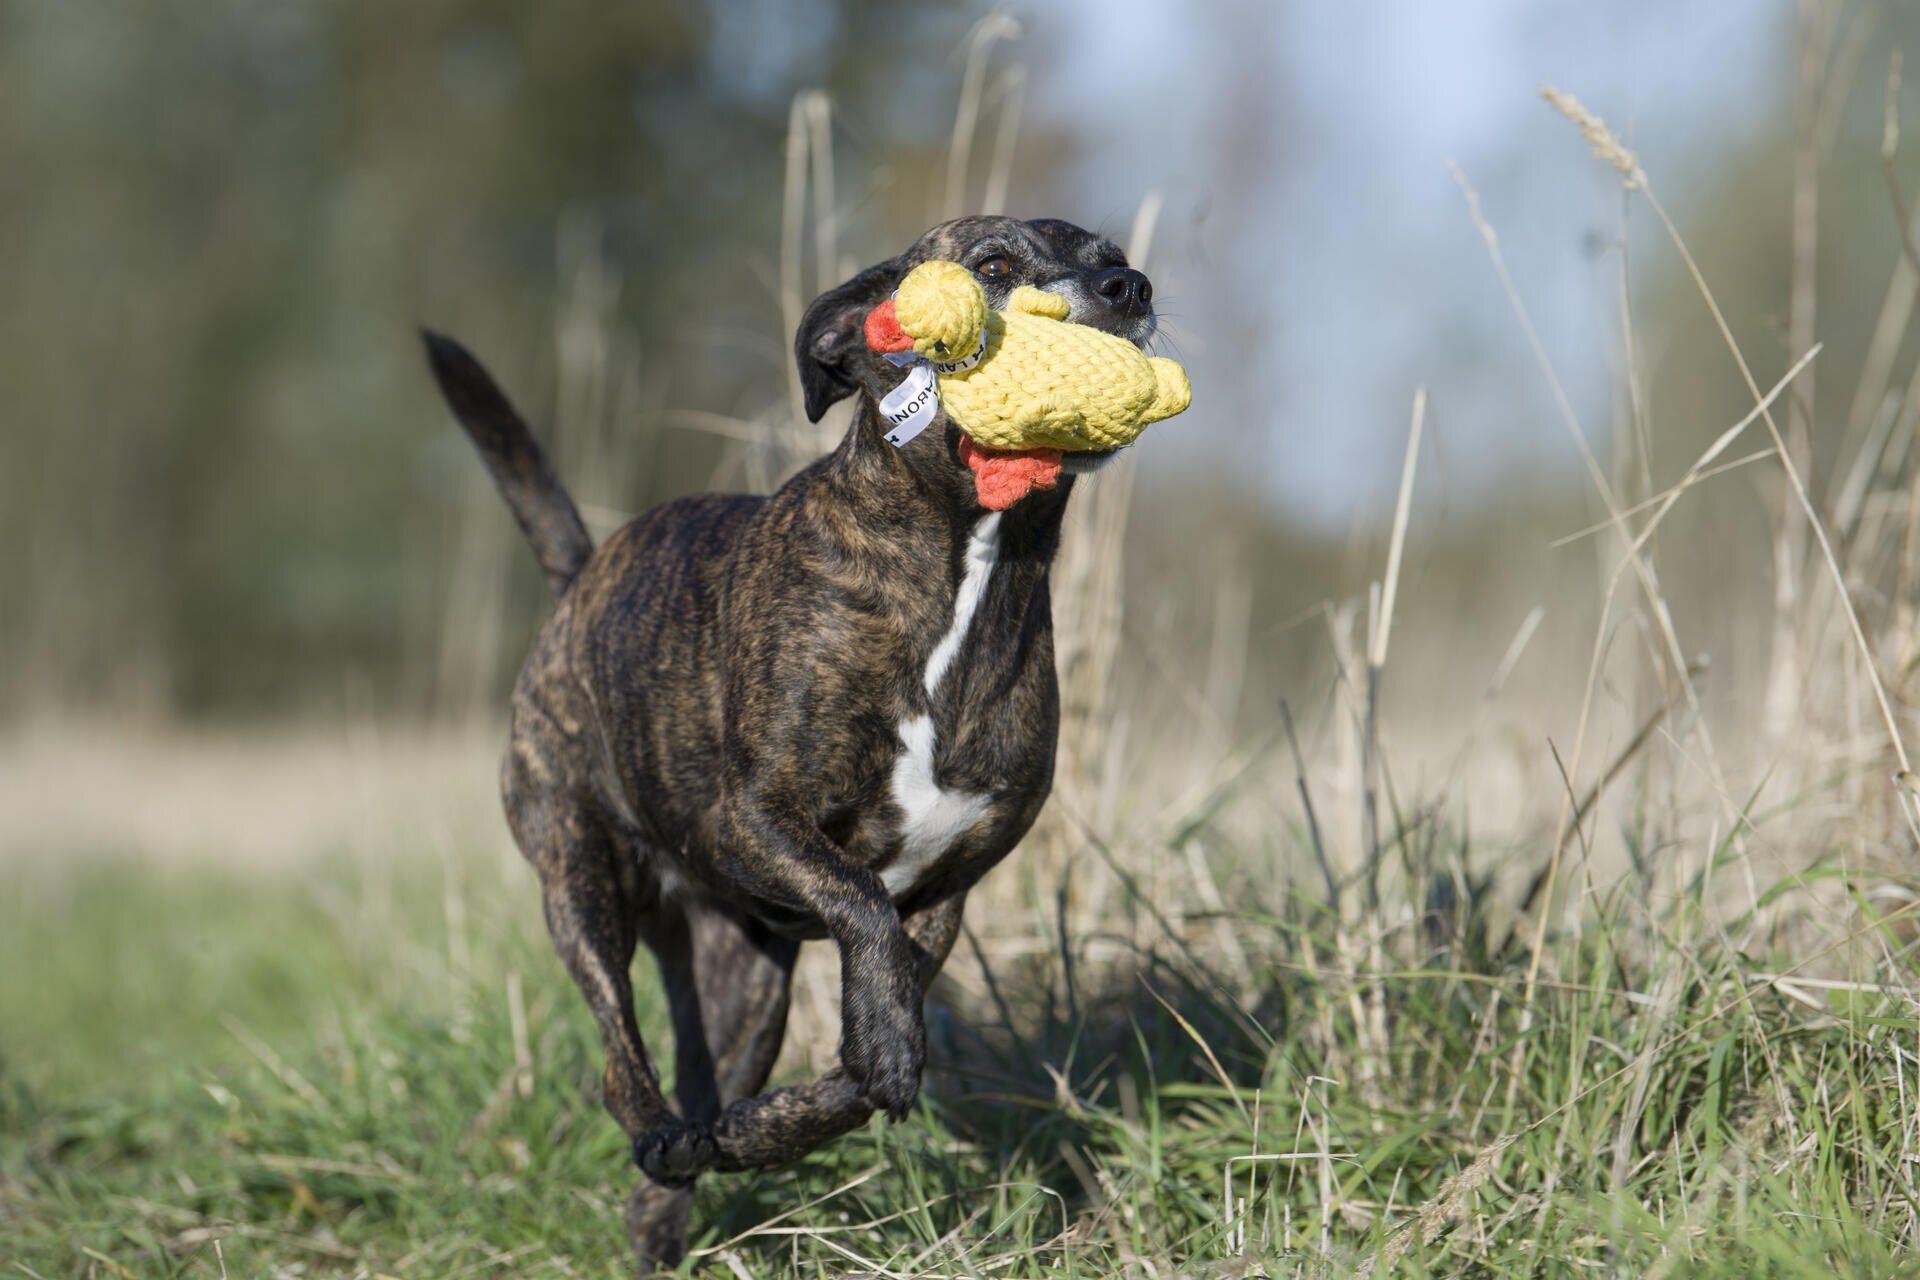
1040,382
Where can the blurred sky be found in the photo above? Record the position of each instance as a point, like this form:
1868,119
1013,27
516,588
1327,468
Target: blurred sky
1310,208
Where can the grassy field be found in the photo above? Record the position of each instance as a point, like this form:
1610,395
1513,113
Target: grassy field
341,1072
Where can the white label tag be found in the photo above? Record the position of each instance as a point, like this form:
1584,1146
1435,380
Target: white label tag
901,359
961,366
910,407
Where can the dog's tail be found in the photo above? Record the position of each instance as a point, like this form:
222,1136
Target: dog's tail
514,458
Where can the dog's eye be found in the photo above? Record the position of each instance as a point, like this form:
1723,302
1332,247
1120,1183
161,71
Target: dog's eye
995,268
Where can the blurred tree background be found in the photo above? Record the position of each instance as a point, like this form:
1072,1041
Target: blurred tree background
227,488
225,484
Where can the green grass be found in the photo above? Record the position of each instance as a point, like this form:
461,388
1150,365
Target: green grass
318,1073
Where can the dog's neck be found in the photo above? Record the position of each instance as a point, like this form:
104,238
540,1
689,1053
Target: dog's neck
918,496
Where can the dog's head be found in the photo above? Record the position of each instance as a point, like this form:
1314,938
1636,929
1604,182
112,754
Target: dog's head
1089,271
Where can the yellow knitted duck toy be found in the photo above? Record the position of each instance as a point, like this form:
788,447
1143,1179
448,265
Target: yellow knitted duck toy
1023,384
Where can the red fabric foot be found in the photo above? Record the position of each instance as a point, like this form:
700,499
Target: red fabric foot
1002,479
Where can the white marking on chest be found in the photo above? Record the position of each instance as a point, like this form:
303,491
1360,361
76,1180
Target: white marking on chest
934,816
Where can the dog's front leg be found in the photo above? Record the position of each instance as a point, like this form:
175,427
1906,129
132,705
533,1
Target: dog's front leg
781,854
782,1125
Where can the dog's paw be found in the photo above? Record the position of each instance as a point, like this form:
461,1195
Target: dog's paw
674,1153
893,1083
883,1047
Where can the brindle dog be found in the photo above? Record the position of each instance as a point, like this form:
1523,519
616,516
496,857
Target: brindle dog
824,713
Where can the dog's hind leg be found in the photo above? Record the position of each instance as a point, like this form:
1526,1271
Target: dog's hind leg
727,987
727,979
784,1124
594,929
593,893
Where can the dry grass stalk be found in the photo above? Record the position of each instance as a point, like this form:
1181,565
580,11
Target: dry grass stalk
1010,89
1595,131
801,125
1306,807
1450,1204
801,116
1606,147
989,31
1904,778
826,215
1889,154
473,623
1373,1023
1783,694
1396,546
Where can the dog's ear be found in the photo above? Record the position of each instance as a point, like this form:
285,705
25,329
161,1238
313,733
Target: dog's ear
833,334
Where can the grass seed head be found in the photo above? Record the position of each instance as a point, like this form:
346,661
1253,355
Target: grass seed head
1605,146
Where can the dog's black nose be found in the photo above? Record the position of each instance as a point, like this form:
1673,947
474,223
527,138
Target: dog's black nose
1126,290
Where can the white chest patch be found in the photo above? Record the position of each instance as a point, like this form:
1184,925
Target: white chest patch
934,816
